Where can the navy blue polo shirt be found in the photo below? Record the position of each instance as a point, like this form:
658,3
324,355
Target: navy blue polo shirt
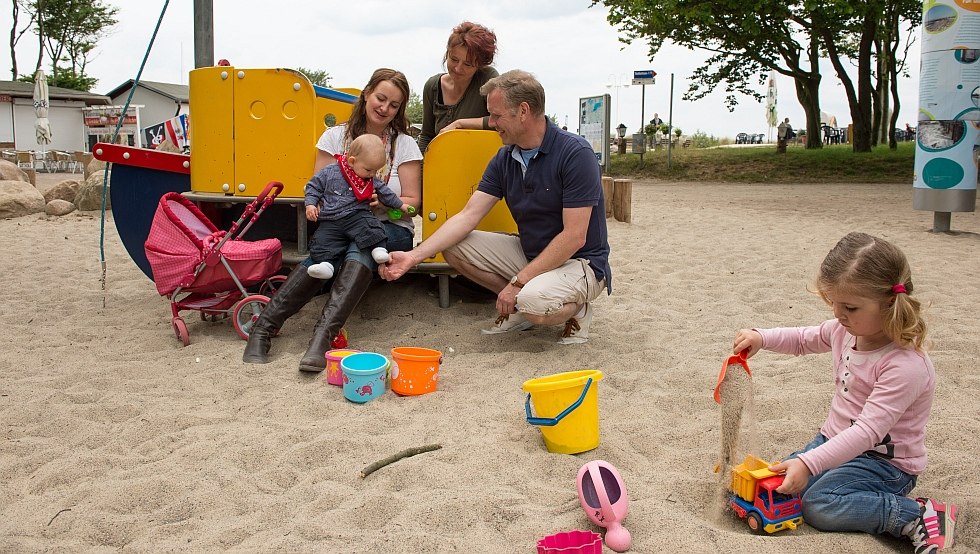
563,174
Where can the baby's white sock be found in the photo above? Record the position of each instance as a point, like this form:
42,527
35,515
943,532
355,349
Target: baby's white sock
322,270
380,255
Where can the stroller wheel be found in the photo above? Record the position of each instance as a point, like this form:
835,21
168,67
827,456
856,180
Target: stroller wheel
271,285
180,330
247,312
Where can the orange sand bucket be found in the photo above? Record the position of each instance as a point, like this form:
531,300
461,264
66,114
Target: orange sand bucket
335,376
414,371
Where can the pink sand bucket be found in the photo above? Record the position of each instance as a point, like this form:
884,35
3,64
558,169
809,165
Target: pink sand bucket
571,542
335,376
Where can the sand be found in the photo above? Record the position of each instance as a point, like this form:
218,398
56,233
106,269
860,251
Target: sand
116,437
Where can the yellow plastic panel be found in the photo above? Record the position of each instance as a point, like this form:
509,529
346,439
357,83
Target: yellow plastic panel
453,167
274,130
340,111
212,128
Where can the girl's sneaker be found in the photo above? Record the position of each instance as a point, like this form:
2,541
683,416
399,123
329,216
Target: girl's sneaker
933,531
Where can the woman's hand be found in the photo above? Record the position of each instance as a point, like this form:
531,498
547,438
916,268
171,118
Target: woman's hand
749,339
797,475
458,124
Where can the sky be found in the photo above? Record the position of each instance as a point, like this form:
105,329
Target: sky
567,44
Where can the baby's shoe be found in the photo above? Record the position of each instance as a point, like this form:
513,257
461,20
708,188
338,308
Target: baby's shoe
577,327
322,270
507,324
380,255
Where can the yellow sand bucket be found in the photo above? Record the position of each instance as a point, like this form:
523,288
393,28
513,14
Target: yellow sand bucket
567,407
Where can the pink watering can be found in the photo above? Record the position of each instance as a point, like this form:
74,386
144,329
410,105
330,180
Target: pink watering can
603,496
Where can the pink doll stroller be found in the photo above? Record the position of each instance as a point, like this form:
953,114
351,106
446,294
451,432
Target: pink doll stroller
201,268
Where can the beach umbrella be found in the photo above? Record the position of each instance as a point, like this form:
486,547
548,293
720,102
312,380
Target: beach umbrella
772,118
42,126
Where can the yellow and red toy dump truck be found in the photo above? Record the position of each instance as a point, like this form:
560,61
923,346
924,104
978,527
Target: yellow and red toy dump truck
753,497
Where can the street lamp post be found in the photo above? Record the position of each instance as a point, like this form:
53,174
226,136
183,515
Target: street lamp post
617,82
621,132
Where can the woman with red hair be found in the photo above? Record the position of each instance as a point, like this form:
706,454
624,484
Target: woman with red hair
452,100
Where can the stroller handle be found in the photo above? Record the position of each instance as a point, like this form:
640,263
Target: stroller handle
268,188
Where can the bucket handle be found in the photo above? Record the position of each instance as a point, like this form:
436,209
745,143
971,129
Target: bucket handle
552,421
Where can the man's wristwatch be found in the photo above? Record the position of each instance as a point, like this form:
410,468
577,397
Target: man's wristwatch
516,282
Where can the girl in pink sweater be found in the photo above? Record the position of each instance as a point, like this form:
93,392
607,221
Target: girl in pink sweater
855,475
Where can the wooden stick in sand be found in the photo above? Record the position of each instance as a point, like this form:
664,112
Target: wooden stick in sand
407,453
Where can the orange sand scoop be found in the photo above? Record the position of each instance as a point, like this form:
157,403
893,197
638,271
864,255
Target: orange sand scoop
736,359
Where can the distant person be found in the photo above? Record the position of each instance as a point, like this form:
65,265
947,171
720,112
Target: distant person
857,472
339,197
452,100
656,121
784,131
559,263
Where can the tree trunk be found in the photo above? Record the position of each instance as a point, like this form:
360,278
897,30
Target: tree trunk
808,93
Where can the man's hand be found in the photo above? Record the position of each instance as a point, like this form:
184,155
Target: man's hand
312,212
507,300
400,264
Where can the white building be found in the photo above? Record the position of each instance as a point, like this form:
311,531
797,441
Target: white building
158,101
17,117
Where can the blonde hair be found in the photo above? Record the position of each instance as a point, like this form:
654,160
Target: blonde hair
367,146
873,268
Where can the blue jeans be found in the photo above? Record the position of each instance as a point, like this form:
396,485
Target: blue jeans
399,238
864,494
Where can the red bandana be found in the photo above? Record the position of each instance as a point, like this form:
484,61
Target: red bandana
363,188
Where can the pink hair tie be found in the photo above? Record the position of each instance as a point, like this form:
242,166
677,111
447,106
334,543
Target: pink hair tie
899,289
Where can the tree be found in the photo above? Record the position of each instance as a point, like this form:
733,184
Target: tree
747,39
414,108
68,32
857,30
316,76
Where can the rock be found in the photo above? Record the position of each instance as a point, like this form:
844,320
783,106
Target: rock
65,190
10,172
59,207
18,198
94,166
89,195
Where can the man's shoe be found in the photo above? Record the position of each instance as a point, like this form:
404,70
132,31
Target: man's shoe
507,324
577,327
933,531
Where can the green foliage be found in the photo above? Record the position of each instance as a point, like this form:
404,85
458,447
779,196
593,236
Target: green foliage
650,129
834,163
677,132
664,128
700,139
414,108
316,76
69,31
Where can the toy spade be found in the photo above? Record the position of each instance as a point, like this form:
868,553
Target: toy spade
603,496
739,359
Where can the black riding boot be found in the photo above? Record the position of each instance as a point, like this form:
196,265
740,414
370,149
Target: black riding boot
348,287
298,289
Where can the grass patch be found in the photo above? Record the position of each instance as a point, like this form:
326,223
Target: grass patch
831,164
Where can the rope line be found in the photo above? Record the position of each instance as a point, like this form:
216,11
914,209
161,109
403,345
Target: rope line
115,136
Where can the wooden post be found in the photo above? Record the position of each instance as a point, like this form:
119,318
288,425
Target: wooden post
622,200
607,193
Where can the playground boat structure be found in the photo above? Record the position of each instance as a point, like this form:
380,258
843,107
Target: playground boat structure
252,126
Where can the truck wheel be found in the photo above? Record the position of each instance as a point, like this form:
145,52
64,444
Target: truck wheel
755,523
